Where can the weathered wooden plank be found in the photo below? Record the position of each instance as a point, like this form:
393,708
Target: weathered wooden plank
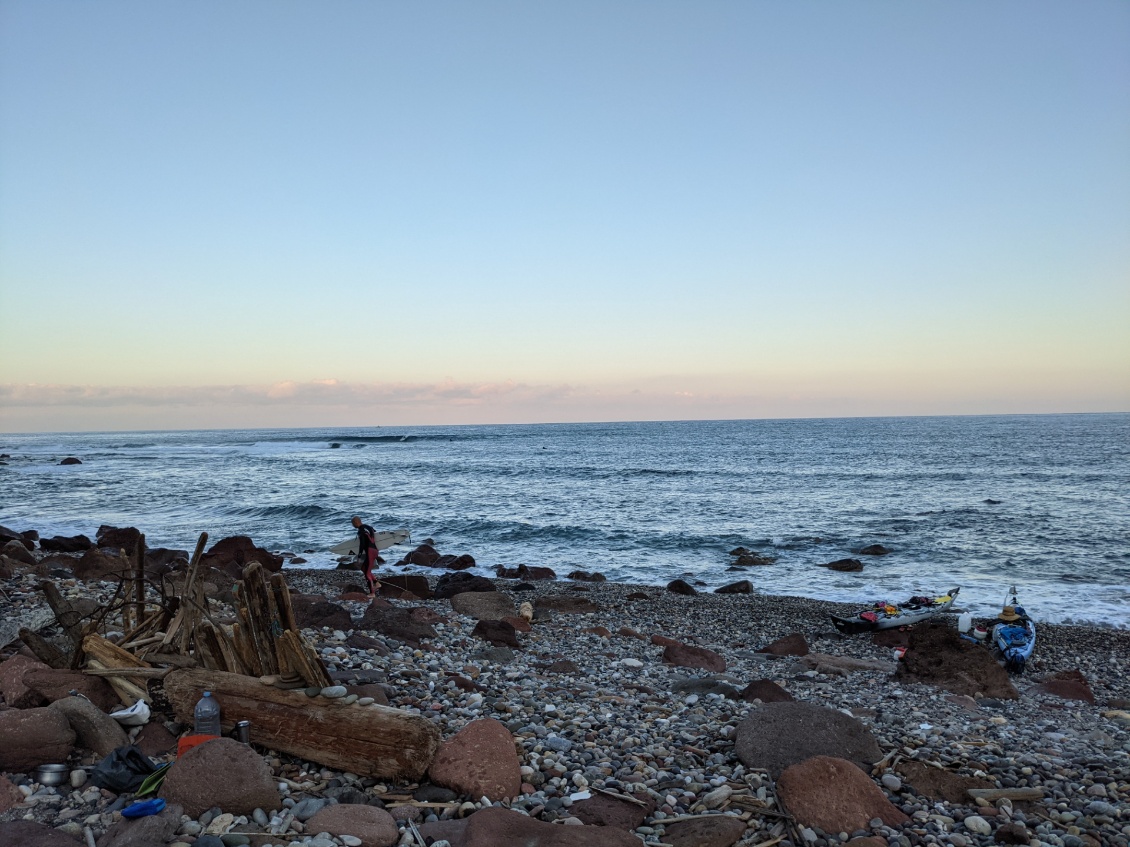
375,741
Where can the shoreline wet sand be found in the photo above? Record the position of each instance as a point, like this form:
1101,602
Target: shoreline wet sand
593,707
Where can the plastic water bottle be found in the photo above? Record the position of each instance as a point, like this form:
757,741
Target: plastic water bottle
207,715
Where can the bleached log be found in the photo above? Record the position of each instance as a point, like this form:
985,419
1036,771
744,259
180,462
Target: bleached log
375,741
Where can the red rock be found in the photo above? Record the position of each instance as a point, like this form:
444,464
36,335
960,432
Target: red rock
568,605
10,795
33,737
628,632
145,831
778,735
681,586
742,586
519,624
1070,685
18,551
765,690
664,641
34,834
685,656
97,564
705,831
479,761
425,555
598,630
937,655
483,605
52,685
232,555
412,583
498,633
154,740
246,784
790,645
375,827
497,827
17,693
602,810
835,795
95,729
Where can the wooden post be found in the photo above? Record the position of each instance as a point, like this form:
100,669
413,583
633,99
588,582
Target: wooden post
139,579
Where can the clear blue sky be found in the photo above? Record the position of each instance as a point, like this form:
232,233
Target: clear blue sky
281,213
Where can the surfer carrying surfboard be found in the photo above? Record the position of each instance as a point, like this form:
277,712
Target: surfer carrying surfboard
367,553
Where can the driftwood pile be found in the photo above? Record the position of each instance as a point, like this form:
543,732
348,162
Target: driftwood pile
252,665
183,632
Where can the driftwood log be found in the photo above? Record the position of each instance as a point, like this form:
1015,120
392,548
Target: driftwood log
375,741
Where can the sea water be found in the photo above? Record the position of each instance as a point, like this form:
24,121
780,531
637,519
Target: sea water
1041,502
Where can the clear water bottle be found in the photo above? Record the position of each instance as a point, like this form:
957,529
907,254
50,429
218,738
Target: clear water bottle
207,715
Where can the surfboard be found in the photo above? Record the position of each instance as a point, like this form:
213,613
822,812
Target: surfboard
384,541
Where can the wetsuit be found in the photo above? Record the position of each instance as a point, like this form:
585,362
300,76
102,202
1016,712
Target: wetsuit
367,552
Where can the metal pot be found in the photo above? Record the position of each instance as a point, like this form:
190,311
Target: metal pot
52,774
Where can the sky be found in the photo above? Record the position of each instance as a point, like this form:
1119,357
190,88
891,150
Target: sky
274,213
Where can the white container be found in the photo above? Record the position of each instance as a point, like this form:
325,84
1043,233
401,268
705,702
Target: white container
964,622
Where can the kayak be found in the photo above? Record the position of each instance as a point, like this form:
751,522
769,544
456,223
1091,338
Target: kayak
888,616
1014,636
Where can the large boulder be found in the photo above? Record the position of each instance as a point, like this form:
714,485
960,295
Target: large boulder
1070,685
790,645
498,633
454,563
781,734
95,729
33,737
99,563
937,655
51,685
65,544
223,773
396,623
498,827
16,692
844,565
34,834
18,551
681,586
567,605
120,538
232,555
835,795
425,555
451,584
400,584
479,761
314,610
685,656
145,831
742,586
374,827
483,606
765,690
705,831
602,810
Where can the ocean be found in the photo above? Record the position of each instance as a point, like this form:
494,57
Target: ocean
1039,502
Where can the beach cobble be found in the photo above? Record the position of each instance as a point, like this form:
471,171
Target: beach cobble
595,711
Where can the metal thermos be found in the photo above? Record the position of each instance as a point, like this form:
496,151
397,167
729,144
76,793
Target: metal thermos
242,732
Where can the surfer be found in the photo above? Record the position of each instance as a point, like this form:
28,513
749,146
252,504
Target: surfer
367,553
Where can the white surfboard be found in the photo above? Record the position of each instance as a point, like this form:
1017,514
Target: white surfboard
385,540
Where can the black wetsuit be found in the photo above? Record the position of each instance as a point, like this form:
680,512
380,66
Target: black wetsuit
367,552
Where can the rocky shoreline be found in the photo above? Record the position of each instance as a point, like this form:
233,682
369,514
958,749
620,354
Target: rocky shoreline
653,713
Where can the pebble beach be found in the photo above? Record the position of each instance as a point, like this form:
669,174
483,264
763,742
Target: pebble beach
594,710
